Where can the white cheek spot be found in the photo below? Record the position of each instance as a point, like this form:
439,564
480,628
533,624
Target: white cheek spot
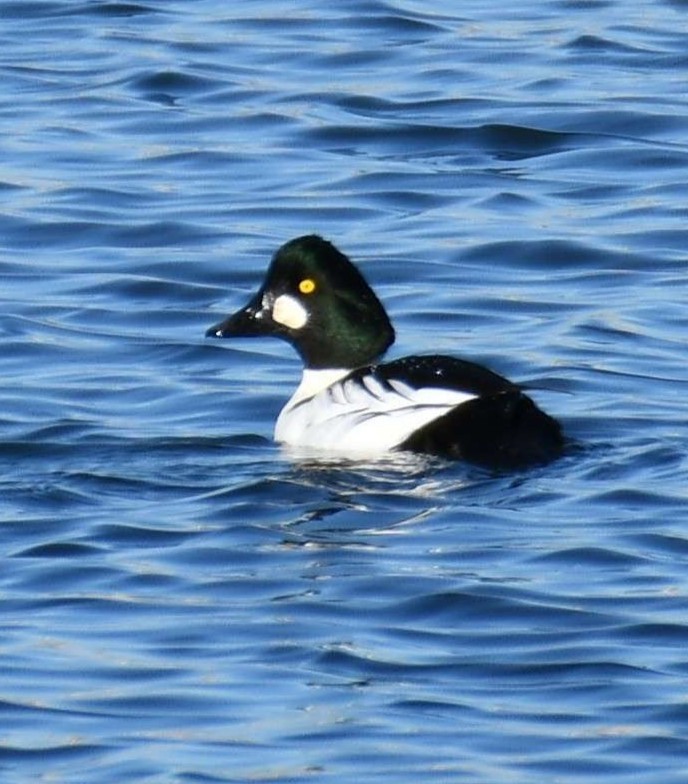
289,312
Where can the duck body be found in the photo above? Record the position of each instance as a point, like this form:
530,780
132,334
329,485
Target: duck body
349,404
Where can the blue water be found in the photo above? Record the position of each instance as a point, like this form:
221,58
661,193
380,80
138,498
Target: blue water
181,601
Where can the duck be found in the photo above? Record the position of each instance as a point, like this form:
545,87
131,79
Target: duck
349,403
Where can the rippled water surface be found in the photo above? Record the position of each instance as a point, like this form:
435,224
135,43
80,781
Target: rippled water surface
182,601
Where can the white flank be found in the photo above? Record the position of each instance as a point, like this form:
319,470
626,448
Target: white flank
364,417
289,312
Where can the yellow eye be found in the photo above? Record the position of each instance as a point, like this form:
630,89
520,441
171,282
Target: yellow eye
307,286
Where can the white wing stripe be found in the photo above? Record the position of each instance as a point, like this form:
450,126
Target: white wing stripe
363,415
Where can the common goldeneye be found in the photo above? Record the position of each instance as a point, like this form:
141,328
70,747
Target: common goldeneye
347,403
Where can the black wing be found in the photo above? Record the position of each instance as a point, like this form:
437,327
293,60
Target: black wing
506,430
444,372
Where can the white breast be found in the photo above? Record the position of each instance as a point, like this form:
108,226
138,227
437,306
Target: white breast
364,416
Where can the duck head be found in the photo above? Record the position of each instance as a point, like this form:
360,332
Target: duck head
314,298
